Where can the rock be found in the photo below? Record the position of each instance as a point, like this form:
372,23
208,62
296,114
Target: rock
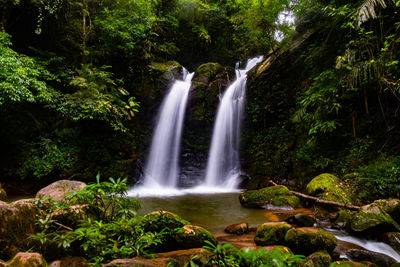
319,259
392,239
60,189
138,262
16,223
380,259
3,194
373,220
156,221
194,236
275,196
71,216
170,70
307,240
271,233
24,259
3,264
328,187
347,264
393,265
207,71
369,264
238,228
70,262
390,206
302,220
343,218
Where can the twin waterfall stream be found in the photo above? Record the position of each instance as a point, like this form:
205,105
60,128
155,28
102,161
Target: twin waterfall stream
161,173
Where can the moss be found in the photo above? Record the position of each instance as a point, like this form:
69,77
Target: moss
158,220
275,195
193,236
165,66
271,233
373,222
319,259
208,70
307,240
329,187
347,264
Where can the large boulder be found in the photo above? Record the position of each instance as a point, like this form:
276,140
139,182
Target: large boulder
319,259
390,206
16,224
23,259
60,189
193,236
392,239
373,219
271,233
168,71
3,194
156,221
306,240
269,197
70,262
329,187
302,220
379,259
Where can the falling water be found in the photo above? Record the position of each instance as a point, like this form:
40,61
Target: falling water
223,167
162,168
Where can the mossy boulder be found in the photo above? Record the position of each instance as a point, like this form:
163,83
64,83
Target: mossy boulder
392,239
72,215
156,221
343,218
361,255
373,220
329,187
390,206
306,240
271,233
60,189
169,70
193,236
207,71
347,264
17,222
3,194
275,196
237,228
319,259
24,259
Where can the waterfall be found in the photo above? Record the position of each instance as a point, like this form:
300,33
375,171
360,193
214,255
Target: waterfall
223,166
162,168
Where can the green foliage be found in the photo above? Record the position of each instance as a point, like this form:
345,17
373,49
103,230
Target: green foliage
109,230
379,179
228,256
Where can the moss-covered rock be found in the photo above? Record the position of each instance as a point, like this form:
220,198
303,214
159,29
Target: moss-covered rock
237,228
193,236
156,221
271,233
373,220
70,262
16,223
27,260
347,264
329,187
60,189
169,70
3,194
319,259
275,195
207,71
306,240
390,206
343,218
362,255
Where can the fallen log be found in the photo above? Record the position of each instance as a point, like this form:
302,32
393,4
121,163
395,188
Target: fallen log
319,201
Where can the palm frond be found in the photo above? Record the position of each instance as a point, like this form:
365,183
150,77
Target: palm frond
368,10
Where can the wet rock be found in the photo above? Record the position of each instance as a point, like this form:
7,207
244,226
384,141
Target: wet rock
23,259
60,189
347,264
396,264
380,259
170,70
318,259
16,223
70,262
369,264
390,206
329,187
372,220
238,228
343,218
3,194
276,196
392,239
156,221
302,220
306,240
138,262
271,233
194,236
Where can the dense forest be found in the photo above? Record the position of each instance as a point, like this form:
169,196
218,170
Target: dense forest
81,82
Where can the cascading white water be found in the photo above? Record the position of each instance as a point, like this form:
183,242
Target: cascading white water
162,168
223,166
